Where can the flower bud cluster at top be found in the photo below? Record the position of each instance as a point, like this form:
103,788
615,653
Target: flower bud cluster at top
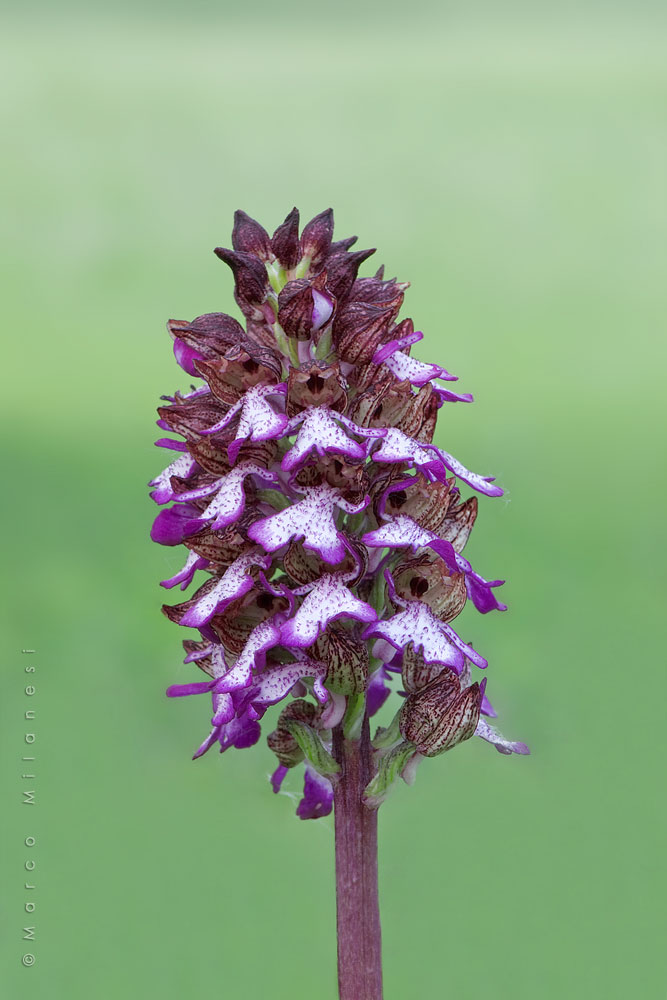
329,528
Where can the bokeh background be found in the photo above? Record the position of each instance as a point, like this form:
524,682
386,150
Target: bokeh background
509,160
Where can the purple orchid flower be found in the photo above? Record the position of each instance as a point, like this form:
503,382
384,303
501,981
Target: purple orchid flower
330,530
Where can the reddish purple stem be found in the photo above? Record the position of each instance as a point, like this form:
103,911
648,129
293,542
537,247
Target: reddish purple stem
358,912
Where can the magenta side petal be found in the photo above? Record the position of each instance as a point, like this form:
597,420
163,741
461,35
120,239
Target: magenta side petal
278,777
182,690
317,798
171,526
186,357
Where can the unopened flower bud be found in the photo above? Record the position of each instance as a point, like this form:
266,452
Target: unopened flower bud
440,715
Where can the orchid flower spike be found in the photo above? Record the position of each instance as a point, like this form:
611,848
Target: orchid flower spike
324,530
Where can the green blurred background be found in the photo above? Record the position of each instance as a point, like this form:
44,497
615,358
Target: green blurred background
510,161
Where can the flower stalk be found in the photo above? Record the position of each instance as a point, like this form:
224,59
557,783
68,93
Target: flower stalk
357,905
329,529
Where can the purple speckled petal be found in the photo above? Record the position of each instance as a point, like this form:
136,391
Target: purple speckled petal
405,367
258,421
223,708
234,583
438,640
227,419
365,432
320,431
182,467
398,447
502,745
328,600
483,484
263,637
171,526
229,501
184,577
399,532
278,777
312,519
317,798
274,682
199,654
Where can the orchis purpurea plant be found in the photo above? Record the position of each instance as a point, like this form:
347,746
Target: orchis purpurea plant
330,531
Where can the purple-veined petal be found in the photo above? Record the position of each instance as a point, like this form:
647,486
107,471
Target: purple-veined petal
502,745
234,583
320,430
263,637
182,467
312,519
171,526
184,577
328,600
317,798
